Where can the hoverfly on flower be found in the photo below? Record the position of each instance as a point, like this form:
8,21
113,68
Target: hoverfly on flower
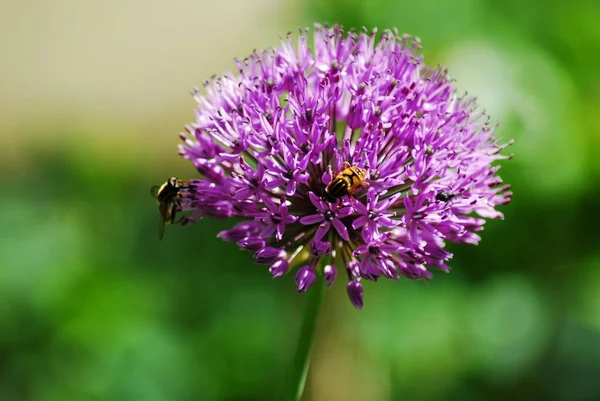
346,182
168,197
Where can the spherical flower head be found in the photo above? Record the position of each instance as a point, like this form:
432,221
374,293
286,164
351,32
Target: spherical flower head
349,154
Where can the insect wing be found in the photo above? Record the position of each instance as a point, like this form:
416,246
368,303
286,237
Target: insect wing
154,191
161,229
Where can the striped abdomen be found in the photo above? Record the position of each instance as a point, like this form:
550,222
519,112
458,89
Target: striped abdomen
344,183
337,188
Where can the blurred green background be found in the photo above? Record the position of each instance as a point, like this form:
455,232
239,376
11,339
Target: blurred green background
93,307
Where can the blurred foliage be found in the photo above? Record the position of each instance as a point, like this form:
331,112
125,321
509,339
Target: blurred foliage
93,307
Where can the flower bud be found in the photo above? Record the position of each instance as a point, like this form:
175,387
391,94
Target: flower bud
330,273
251,243
355,293
305,278
279,268
269,255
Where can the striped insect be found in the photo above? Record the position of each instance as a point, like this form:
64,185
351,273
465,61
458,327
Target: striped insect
168,197
346,182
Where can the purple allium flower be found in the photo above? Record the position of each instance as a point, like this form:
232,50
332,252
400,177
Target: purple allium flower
268,140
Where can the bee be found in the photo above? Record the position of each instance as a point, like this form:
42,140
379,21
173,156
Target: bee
168,197
345,183
444,196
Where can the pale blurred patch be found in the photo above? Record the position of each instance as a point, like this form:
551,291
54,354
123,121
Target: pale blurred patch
507,325
114,72
534,98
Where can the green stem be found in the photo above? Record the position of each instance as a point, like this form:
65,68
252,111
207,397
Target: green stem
297,378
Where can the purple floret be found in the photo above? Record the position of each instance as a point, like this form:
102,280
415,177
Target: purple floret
269,139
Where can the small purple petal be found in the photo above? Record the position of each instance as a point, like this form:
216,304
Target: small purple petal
291,188
341,229
268,255
279,268
316,201
302,178
251,243
354,268
355,293
360,208
269,203
322,230
318,249
267,231
280,231
312,219
289,219
240,231
387,268
345,212
408,203
330,273
212,172
359,222
386,203
387,222
355,116
360,250
305,278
